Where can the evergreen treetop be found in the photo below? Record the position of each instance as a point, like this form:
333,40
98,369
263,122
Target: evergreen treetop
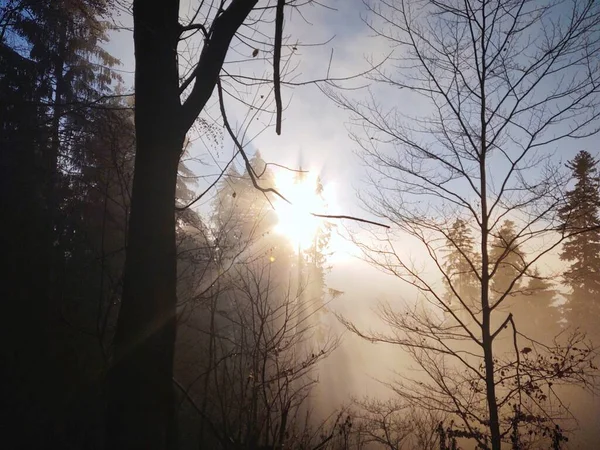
581,222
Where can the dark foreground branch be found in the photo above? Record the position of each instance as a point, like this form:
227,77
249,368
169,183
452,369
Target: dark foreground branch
356,219
277,62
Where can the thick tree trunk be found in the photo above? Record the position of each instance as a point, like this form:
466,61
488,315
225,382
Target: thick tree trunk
140,398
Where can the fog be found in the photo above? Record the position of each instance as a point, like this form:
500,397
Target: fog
258,225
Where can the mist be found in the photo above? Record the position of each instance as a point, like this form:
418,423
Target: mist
334,225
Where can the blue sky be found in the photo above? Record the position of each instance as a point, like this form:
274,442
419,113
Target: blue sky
315,132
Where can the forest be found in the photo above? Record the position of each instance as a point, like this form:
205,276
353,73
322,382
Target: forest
300,224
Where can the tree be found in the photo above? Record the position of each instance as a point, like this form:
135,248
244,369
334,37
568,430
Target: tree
64,40
491,101
249,391
58,70
247,350
534,310
460,254
580,216
508,259
140,406
395,425
61,69
242,212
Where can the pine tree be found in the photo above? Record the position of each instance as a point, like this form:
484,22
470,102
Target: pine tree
64,38
316,267
244,216
507,262
580,216
54,185
460,264
534,311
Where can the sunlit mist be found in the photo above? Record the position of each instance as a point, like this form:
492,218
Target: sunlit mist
295,220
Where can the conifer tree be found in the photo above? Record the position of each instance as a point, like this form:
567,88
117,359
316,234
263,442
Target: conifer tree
505,251
535,314
65,215
243,215
580,216
460,264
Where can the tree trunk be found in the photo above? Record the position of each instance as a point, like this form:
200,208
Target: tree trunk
488,352
140,397
488,356
486,335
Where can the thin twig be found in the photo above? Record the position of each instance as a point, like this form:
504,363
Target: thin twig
281,166
183,208
240,148
357,219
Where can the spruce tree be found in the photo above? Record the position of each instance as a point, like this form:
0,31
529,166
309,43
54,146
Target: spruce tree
460,264
582,248
244,216
534,311
64,213
507,262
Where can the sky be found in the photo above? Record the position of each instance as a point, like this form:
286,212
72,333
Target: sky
314,130
315,135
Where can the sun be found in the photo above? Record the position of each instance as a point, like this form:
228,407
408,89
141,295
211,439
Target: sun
295,220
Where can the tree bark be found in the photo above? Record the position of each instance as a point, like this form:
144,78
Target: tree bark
486,334
140,397
140,413
487,341
140,391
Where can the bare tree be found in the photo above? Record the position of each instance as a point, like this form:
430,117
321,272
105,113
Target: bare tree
394,425
250,389
495,86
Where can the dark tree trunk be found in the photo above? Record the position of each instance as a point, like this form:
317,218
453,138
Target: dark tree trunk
141,407
140,411
486,334
487,341
488,355
140,402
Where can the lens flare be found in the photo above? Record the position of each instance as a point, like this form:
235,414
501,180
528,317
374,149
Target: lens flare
295,220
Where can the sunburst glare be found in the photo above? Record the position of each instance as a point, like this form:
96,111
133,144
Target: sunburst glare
307,196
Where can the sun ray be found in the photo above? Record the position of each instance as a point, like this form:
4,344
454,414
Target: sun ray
305,195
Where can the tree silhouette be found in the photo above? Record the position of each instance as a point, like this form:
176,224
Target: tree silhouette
140,407
534,310
459,257
582,250
54,181
507,259
485,118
